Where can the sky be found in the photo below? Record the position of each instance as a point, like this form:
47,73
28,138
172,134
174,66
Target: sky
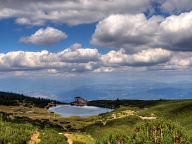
64,39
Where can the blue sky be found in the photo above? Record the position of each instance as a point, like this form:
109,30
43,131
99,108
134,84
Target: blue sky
70,39
12,32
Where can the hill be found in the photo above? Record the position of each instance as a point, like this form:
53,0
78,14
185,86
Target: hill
13,99
23,118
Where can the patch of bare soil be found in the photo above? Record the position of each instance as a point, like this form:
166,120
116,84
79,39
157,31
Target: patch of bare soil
69,140
35,138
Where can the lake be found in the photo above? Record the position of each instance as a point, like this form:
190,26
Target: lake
83,111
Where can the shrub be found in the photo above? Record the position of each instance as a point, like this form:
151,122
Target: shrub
152,132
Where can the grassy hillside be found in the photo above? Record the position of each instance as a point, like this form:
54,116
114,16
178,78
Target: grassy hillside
173,111
132,121
15,133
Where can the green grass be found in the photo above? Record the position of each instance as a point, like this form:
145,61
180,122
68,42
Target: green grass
100,131
14,133
175,111
81,138
150,132
51,136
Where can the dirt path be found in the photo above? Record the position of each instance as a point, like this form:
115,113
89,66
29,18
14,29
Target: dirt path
147,118
35,138
69,140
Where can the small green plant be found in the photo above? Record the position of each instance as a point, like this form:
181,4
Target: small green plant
50,136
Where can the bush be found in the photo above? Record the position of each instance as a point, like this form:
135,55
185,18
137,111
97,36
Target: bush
152,132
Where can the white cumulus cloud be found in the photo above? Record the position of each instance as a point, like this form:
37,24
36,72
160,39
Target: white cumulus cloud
147,57
45,36
136,32
176,33
125,31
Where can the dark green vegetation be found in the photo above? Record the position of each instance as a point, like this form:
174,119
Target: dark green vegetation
10,99
117,103
132,121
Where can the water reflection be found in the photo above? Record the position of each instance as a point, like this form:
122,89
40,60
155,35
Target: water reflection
68,110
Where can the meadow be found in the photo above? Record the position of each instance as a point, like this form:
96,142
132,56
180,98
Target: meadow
131,122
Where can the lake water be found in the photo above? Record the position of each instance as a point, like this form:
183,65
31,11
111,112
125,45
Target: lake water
68,110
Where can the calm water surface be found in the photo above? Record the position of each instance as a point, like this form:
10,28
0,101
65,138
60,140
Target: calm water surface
68,110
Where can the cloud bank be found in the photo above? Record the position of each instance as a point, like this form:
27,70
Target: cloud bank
77,59
72,12
73,59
